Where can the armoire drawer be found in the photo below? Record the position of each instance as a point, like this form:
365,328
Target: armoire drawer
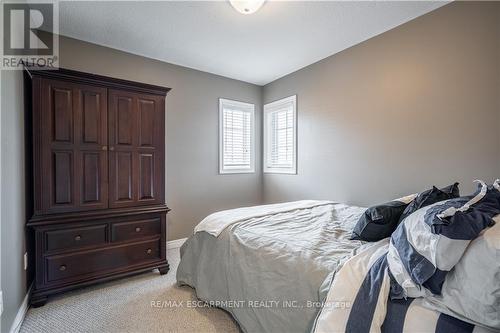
94,262
123,231
75,237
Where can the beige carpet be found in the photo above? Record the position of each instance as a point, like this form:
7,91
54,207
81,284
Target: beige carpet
125,306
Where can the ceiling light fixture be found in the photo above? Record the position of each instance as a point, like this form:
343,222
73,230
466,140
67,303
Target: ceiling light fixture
247,6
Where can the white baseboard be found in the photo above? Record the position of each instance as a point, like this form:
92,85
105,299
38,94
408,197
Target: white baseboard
21,313
1,303
176,243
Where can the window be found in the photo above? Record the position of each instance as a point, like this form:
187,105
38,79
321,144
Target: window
280,136
236,137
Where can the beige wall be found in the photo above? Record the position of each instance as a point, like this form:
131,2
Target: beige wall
13,216
415,106
194,188
498,83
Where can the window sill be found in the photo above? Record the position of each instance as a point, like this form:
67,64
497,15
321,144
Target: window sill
229,172
284,172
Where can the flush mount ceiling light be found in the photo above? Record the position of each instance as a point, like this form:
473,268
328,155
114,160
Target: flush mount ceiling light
247,6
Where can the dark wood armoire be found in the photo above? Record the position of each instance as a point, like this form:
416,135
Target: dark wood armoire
96,153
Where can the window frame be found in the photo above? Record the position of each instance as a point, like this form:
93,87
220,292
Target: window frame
268,109
240,106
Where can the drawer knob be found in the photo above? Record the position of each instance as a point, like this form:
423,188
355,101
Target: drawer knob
78,237
149,251
137,229
62,268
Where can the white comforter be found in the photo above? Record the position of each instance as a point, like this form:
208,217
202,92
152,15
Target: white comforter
215,223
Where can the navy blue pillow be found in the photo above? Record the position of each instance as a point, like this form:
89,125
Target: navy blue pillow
380,221
430,197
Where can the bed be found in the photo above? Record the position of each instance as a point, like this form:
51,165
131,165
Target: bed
272,266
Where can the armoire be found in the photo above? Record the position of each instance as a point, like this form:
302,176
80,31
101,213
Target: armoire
95,150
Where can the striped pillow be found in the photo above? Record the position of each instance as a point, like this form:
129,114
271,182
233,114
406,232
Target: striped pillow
430,242
468,295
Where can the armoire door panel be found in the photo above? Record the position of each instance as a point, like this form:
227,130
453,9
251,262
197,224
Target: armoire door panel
123,173
124,121
146,172
94,179
63,177
144,143
73,132
62,115
146,110
91,173
91,117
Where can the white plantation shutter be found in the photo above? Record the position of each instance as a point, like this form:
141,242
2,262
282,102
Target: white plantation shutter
280,136
236,136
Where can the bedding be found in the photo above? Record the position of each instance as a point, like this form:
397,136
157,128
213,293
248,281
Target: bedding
380,221
431,241
430,197
215,223
358,301
295,269
471,296
283,261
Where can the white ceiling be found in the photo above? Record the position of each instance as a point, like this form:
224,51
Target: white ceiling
211,36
